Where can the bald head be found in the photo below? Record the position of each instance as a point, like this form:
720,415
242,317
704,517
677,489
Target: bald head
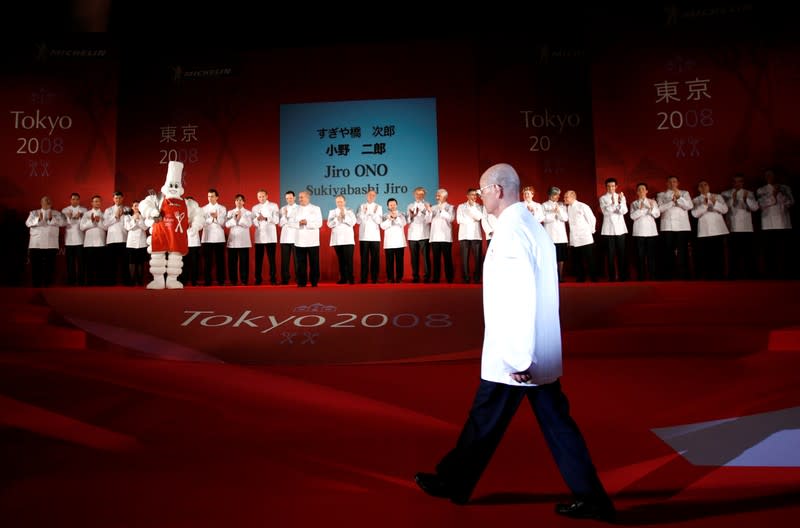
500,184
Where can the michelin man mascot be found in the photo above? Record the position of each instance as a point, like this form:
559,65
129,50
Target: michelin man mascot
169,217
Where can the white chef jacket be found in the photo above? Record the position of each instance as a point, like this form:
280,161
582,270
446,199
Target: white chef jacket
308,235
775,207
582,224
740,210
442,222
342,229
555,223
115,227
266,231
394,231
136,232
369,217
469,221
614,207
44,232
73,236
674,215
214,228
710,218
419,221
239,229
94,234
288,223
520,301
643,213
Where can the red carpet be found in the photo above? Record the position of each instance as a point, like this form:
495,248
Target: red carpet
114,414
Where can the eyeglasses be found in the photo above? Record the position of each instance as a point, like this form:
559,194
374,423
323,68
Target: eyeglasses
480,191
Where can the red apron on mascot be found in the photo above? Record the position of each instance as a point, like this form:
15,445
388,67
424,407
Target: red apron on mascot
170,233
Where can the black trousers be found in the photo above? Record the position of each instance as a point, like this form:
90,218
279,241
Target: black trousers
420,248
95,265
191,267
214,251
370,259
742,261
442,251
117,264
471,249
307,268
270,250
675,261
344,254
646,248
394,264
492,410
583,260
76,274
287,256
136,261
239,265
709,257
43,266
778,260
616,262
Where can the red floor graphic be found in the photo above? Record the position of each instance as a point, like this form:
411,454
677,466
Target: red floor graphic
116,411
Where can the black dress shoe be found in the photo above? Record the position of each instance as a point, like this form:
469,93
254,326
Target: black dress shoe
434,486
584,509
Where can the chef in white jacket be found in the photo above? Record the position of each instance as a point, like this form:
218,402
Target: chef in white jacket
94,242
369,217
341,221
710,210
470,239
675,205
614,207
212,240
644,212
741,203
136,244
288,223
776,201
239,220
521,359
116,238
306,247
73,240
555,223
394,241
582,225
265,218
418,216
44,225
442,237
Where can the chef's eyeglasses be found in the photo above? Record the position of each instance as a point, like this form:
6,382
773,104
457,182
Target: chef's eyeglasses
480,191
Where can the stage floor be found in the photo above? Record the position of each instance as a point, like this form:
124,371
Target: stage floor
280,406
